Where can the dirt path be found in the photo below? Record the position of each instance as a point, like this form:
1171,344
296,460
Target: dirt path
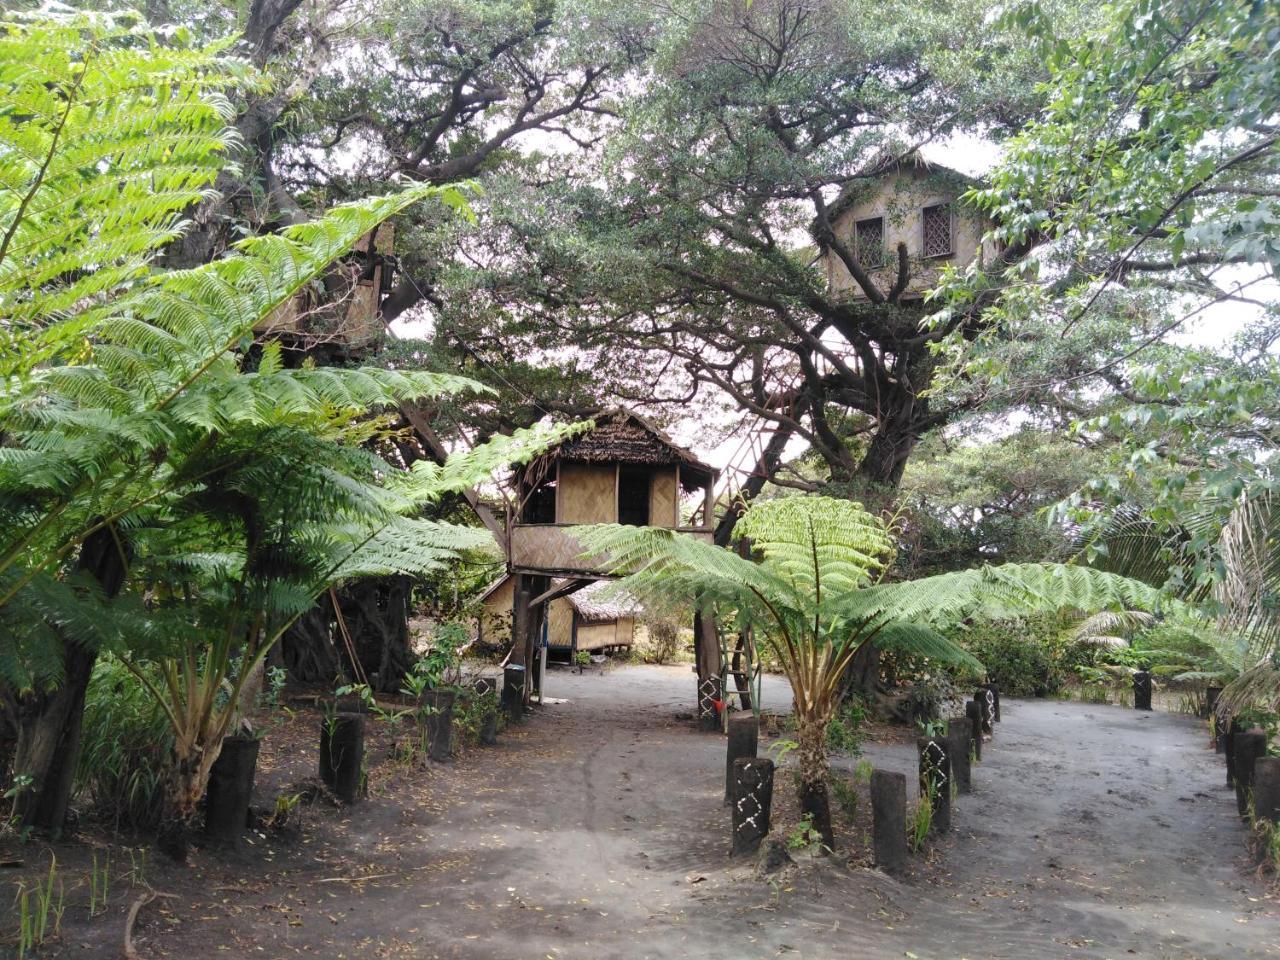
1093,832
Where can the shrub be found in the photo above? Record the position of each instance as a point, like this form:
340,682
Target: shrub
1015,657
124,740
844,732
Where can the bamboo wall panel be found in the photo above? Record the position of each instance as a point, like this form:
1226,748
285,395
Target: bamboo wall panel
560,623
587,493
495,618
662,499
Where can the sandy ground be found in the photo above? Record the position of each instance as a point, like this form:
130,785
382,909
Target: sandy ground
597,830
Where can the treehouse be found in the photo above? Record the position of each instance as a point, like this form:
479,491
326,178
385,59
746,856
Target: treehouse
346,309
911,216
625,470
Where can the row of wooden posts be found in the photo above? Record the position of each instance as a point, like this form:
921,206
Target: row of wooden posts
943,760
1254,775
342,750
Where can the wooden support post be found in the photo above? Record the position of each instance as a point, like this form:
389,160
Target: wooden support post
973,711
1249,746
752,803
889,820
520,620
1266,789
935,780
1234,729
707,656
230,790
1142,683
744,740
987,701
959,737
342,755
486,695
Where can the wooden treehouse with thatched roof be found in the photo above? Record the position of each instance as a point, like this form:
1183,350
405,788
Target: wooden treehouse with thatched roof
623,470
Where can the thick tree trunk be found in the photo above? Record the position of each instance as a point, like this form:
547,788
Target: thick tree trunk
376,612
814,802
49,723
308,648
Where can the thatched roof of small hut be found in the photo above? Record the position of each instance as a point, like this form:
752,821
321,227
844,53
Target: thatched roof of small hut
623,436
603,601
598,602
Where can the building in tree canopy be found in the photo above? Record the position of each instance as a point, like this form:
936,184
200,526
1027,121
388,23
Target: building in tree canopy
625,470
913,207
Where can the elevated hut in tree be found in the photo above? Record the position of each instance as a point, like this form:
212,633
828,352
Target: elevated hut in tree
625,470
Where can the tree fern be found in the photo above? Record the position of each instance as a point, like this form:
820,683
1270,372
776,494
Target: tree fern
811,594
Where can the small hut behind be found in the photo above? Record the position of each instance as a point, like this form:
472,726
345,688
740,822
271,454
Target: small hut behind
589,619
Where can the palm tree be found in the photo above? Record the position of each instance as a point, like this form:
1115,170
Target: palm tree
811,591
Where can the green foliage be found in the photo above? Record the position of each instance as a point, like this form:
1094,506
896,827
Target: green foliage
1014,655
844,731
148,112
804,836
124,742
810,594
846,794
39,911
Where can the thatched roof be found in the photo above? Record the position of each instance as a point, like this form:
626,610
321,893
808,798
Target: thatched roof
602,602
623,436
598,602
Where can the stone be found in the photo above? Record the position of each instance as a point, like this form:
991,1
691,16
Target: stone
773,856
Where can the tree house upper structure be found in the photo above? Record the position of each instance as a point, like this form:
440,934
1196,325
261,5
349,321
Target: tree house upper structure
624,470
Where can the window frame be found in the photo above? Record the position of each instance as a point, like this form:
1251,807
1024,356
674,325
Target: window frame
882,258
951,231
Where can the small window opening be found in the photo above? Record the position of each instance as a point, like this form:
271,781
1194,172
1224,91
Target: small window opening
540,506
937,231
869,241
633,498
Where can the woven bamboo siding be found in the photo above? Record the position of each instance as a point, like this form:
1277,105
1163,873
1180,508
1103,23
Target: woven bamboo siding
662,499
495,618
611,633
560,623
587,493
555,549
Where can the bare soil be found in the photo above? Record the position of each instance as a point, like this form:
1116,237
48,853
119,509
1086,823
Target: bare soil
597,829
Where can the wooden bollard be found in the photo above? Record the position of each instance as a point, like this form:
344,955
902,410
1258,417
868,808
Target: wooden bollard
752,803
1234,728
973,712
1266,789
1248,748
889,820
959,737
437,706
342,755
513,692
987,701
995,700
935,780
1211,695
230,789
710,703
486,693
1142,682
744,740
